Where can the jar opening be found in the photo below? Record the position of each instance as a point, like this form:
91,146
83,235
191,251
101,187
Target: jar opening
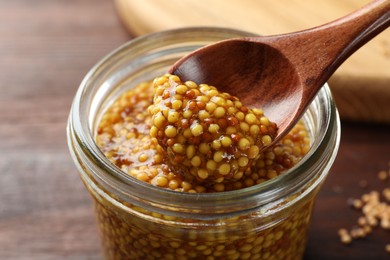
149,56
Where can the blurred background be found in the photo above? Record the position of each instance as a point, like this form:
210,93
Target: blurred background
47,46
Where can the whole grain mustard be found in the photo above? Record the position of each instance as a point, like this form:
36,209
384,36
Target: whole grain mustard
208,135
192,138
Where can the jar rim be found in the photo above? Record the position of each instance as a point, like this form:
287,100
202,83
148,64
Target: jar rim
80,132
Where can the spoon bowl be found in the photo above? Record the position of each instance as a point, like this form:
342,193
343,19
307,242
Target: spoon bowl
252,79
282,74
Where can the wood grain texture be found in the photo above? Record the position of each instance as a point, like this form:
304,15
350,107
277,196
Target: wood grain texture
361,85
46,47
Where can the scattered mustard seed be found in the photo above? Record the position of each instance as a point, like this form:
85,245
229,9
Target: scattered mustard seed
383,175
376,212
387,248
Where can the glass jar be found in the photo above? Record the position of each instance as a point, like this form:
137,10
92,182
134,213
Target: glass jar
140,221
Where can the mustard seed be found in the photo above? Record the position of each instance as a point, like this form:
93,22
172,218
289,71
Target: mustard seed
224,169
170,131
196,129
161,181
387,248
383,175
346,239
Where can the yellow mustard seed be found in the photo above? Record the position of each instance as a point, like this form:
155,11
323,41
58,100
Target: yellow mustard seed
203,173
231,130
210,107
266,140
231,110
357,204
181,89
221,102
218,156
204,88
187,133
212,93
249,182
211,165
244,127
176,97
164,113
270,155
254,129
187,114
238,175
173,184
159,120
174,78
159,80
387,248
203,99
213,128
240,116
244,144
161,181
296,149
385,222
250,119
204,148
224,169
245,248
190,84
158,158
178,148
264,121
383,175
226,141
173,116
219,112
176,104
216,144
154,110
243,161
203,115
190,151
143,157
253,151
271,174
181,139
170,131
186,185
143,176
153,131
386,194
200,189
258,111
346,239
219,187
196,161
196,129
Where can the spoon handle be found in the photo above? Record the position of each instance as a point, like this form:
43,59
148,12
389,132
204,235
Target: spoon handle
321,50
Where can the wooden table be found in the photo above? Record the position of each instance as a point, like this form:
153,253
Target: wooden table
46,48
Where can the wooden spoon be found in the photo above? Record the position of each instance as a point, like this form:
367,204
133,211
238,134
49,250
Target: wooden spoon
282,74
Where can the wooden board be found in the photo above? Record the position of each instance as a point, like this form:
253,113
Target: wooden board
361,86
